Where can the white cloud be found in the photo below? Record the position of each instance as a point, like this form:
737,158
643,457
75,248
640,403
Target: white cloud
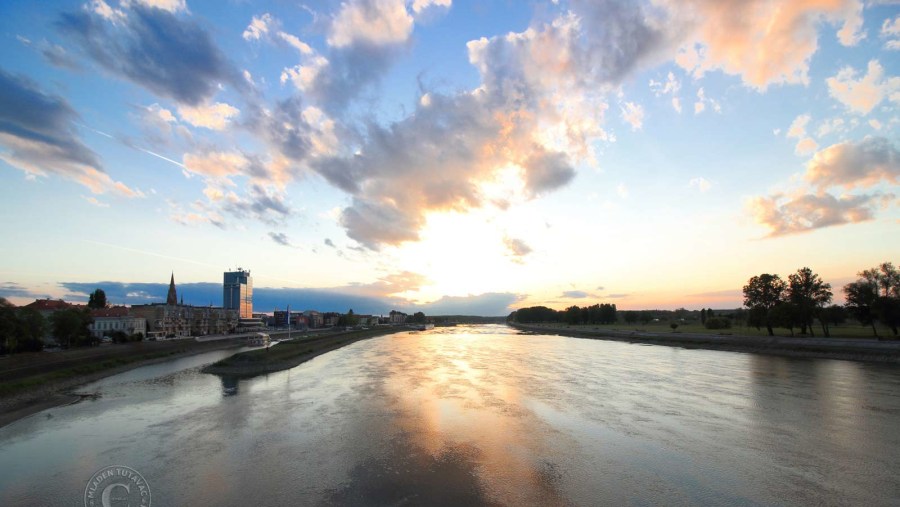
166,5
850,165
296,43
784,215
304,76
764,42
258,27
797,130
633,114
420,5
212,116
671,87
890,30
863,94
703,101
376,22
622,190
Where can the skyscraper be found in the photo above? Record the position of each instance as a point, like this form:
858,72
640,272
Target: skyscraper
238,292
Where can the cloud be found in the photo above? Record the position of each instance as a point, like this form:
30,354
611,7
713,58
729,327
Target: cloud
329,243
153,48
15,290
633,114
489,304
703,101
268,27
166,5
791,215
95,202
546,171
890,30
216,164
671,87
761,41
855,164
280,238
516,248
797,130
576,294
863,94
538,110
419,6
212,116
58,56
371,22
37,133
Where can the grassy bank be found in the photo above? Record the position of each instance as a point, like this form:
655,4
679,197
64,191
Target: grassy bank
288,354
856,348
33,382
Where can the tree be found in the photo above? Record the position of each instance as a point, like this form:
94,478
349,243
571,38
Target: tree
875,296
833,315
784,315
861,296
703,316
97,300
808,293
71,326
31,329
417,318
630,316
763,293
674,326
8,327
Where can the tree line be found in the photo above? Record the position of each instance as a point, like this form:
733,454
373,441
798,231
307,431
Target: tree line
596,314
804,298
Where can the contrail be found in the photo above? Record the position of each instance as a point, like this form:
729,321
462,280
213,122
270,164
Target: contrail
104,134
153,254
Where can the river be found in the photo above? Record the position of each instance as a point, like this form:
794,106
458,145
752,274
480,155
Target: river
478,415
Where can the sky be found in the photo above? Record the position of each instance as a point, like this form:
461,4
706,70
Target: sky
445,155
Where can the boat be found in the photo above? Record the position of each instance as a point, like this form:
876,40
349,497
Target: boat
423,327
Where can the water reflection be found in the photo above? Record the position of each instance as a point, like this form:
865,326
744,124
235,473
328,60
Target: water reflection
479,416
229,385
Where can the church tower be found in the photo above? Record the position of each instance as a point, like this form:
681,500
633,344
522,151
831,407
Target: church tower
172,298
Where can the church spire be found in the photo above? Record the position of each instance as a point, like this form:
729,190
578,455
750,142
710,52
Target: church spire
172,298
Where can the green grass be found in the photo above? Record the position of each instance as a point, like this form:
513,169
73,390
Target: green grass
19,386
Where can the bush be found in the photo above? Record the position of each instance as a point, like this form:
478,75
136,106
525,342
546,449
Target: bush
717,323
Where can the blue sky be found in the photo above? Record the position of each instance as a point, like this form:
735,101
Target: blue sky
438,154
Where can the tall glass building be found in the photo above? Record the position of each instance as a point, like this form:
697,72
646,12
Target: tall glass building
238,292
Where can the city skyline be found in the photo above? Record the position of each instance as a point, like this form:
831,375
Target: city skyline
442,155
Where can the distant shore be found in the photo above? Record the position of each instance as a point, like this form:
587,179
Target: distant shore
856,349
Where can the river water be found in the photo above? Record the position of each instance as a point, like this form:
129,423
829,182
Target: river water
478,415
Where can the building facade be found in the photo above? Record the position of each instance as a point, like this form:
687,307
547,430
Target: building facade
118,318
237,293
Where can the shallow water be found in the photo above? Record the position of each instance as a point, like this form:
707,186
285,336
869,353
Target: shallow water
479,415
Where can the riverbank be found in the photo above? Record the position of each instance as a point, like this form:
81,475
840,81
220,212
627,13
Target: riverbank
828,348
35,382
289,354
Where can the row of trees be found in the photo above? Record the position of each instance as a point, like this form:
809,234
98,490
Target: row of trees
596,314
23,329
805,297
